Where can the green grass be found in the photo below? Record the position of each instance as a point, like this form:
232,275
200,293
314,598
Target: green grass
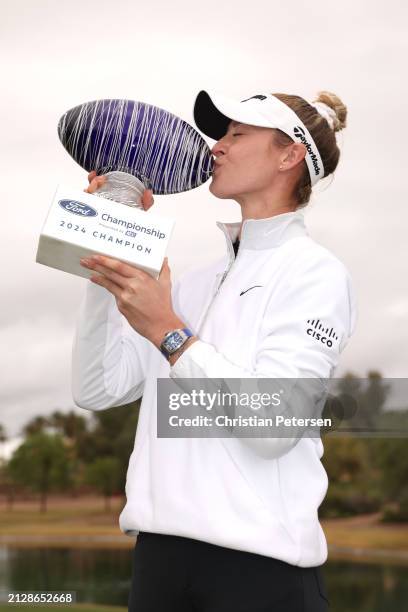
64,517
86,516
389,537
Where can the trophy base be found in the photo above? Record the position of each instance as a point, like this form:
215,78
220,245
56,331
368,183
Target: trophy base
80,224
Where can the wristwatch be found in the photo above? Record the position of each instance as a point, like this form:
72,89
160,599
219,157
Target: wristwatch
174,340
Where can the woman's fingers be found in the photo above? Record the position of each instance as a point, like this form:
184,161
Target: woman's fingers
147,199
102,281
115,278
118,279
109,265
94,182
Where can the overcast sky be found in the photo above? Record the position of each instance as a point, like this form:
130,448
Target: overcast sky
56,55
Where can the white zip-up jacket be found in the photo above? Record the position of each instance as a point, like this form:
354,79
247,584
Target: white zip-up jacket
255,317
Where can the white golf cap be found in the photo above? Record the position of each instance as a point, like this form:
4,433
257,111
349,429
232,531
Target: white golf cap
213,112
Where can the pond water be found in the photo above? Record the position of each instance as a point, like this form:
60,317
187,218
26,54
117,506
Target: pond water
103,576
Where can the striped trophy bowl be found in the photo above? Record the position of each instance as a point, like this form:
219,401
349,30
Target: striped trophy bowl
166,153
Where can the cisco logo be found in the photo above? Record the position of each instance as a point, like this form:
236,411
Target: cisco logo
78,208
325,335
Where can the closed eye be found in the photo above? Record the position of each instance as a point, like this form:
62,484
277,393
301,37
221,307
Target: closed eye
237,134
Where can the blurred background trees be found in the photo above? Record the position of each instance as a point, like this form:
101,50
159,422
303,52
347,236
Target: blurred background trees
367,464
71,454
75,454
41,465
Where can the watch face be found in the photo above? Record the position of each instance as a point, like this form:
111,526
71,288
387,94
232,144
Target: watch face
174,341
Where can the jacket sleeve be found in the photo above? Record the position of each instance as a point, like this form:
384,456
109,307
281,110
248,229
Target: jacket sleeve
315,290
108,357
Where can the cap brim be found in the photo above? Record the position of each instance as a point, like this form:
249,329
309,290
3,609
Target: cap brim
208,118
213,112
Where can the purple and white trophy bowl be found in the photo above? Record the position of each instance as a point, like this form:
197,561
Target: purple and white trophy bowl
138,146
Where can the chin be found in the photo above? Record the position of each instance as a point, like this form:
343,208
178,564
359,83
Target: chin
219,192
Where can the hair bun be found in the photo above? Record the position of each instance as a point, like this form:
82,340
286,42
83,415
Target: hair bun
334,102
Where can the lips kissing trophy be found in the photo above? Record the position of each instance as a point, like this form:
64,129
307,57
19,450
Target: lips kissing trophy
137,146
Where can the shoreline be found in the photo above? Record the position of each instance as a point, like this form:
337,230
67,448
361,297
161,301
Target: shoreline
336,553
85,522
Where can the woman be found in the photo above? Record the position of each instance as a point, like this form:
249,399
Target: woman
227,524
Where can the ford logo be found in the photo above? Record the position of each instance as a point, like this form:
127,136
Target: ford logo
78,208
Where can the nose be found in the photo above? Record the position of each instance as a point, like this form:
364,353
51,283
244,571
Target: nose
219,148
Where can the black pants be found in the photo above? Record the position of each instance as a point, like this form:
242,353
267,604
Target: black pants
174,574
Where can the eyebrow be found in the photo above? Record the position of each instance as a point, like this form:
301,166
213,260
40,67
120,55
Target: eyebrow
233,124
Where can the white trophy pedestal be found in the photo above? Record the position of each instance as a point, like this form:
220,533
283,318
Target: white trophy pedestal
80,224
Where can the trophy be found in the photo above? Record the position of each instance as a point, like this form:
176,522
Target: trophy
137,146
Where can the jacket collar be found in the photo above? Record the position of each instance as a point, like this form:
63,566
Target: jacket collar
259,234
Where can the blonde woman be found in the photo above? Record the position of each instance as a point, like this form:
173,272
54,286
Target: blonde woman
222,525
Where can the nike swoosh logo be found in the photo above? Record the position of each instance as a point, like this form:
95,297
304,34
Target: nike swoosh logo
246,290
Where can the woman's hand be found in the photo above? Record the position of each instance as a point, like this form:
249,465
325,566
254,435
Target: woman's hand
97,181
144,301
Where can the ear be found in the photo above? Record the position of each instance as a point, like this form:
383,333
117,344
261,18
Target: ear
294,155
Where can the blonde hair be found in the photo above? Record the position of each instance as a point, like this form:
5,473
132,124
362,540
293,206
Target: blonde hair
322,133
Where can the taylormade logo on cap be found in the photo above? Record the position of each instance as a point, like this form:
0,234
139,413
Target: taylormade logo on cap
299,133
313,160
